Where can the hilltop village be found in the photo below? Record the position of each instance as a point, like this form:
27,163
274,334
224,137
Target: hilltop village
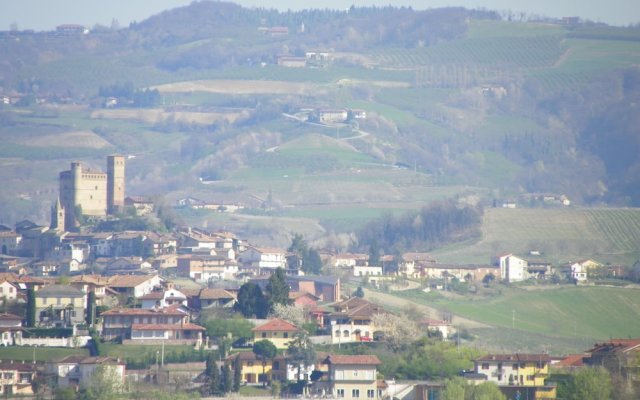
206,312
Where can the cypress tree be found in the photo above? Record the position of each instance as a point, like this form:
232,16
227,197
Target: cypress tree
31,307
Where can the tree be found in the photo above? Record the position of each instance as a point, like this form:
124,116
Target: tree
251,302
399,331
31,307
359,292
454,389
277,291
105,384
459,389
91,308
212,372
312,263
590,384
291,313
227,379
264,350
374,254
301,353
237,374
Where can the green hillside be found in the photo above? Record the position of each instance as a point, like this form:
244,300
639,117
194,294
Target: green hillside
562,235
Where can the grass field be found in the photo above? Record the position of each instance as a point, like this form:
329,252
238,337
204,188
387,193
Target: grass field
560,234
564,318
38,353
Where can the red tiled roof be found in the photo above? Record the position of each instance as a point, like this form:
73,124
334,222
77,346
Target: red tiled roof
572,360
167,327
339,359
172,310
516,357
616,345
128,280
214,294
276,325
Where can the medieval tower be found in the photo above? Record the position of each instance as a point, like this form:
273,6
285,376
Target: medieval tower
84,192
115,184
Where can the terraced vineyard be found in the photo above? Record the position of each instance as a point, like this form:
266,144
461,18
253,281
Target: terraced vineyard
503,52
561,234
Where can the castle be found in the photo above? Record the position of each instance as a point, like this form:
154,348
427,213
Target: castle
91,193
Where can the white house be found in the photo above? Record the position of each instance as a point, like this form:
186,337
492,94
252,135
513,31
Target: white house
163,299
512,268
10,328
77,371
579,272
367,270
7,290
264,258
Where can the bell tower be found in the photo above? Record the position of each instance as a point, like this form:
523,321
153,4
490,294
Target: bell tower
115,183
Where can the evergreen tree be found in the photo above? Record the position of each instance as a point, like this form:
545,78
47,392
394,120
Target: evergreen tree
237,374
312,263
277,291
31,307
91,308
227,379
359,292
251,302
374,254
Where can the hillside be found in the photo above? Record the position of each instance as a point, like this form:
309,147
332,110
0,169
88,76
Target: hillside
458,104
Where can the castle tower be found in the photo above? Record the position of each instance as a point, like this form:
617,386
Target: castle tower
115,183
58,217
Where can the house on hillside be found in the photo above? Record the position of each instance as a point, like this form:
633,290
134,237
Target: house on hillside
10,329
351,321
616,355
512,268
513,373
168,325
277,331
17,378
134,285
258,259
350,377
254,371
163,298
60,305
76,371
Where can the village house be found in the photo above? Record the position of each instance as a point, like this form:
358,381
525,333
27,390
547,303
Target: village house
524,373
163,298
16,378
127,265
348,260
437,326
164,261
277,331
9,242
254,370
151,326
8,291
351,321
134,285
258,259
142,205
60,305
213,298
291,61
94,283
464,273
331,116
512,268
205,268
350,377
616,355
10,329
412,262
76,371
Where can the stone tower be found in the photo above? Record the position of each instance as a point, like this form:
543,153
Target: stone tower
58,217
115,183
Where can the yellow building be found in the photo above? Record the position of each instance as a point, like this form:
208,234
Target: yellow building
60,305
277,331
513,373
254,370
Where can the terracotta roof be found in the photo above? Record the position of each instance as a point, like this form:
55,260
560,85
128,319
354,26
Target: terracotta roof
172,310
167,327
59,290
78,359
296,295
212,294
516,357
572,360
340,359
129,280
276,324
615,345
16,366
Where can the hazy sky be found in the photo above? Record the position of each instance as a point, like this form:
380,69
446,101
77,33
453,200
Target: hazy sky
46,14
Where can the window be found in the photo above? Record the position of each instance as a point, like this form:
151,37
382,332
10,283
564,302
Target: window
355,393
485,365
515,366
44,301
529,377
286,335
276,365
371,393
340,392
264,334
58,301
250,364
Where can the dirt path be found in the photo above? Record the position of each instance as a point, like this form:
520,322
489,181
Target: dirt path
400,303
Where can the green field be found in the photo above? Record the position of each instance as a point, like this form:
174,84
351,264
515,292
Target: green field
38,353
564,318
562,235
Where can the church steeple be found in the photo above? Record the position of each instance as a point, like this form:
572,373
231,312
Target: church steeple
57,216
